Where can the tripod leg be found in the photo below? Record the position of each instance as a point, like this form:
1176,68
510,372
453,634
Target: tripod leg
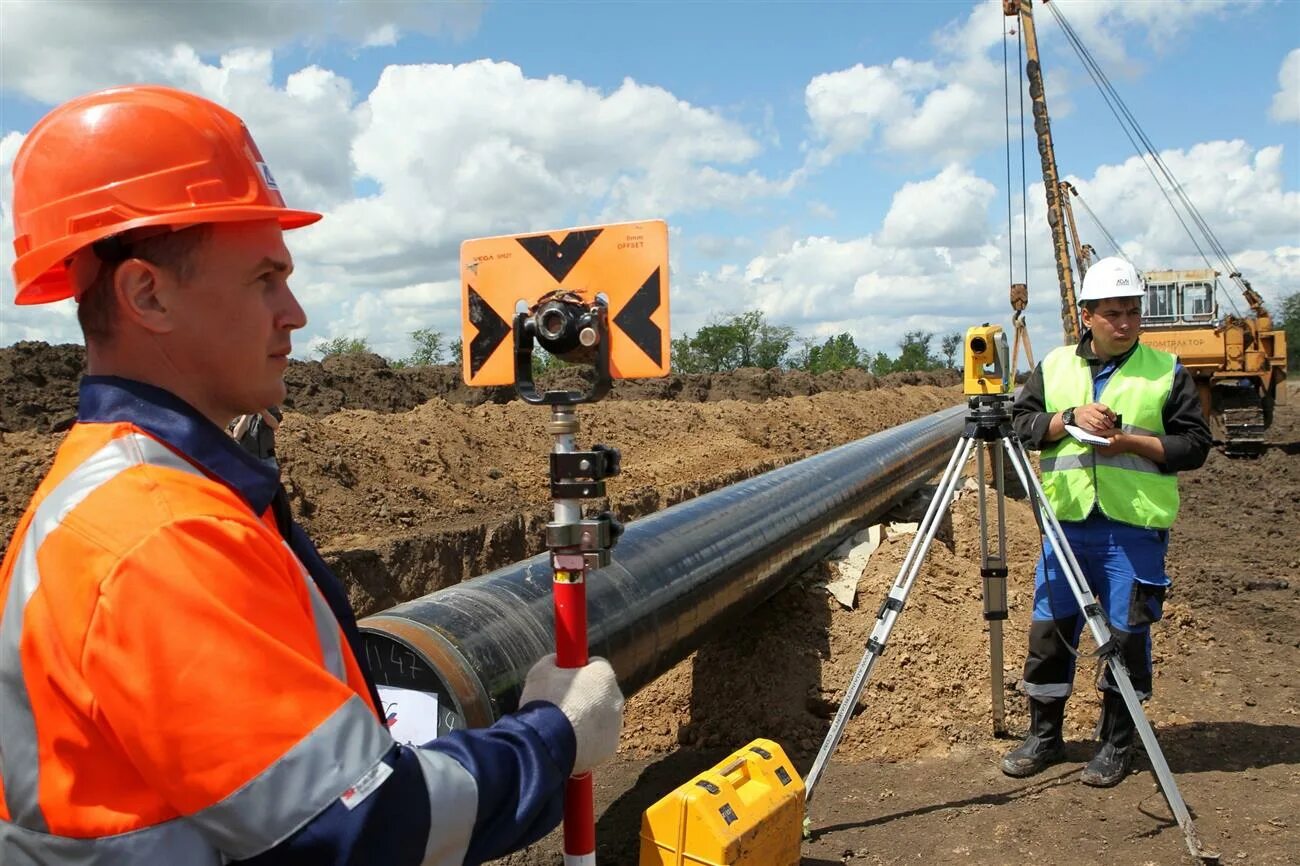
1101,634
993,570
890,610
997,684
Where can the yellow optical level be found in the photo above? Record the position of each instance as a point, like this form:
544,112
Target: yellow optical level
988,370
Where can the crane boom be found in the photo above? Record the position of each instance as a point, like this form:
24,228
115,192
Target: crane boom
1237,362
1051,178
1082,252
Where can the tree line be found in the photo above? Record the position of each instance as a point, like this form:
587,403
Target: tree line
749,340
430,347
726,343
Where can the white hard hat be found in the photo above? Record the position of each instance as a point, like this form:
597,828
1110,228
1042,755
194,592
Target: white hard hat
1111,277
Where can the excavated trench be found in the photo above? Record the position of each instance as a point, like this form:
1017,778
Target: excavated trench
407,493
407,564
410,482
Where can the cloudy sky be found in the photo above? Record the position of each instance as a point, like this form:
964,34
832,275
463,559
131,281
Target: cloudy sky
840,166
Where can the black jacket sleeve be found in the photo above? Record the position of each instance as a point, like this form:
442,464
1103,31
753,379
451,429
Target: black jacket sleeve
1187,437
1029,418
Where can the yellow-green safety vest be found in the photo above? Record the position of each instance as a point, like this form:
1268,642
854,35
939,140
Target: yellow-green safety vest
1127,487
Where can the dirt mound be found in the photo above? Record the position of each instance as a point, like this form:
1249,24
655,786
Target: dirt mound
928,694
369,382
405,501
38,385
412,501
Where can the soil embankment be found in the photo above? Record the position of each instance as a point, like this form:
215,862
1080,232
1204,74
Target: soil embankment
410,481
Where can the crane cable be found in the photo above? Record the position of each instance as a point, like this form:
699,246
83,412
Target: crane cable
1006,104
1024,196
1019,292
1024,182
1097,220
1118,107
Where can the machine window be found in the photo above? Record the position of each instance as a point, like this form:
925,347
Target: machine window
1198,302
1160,305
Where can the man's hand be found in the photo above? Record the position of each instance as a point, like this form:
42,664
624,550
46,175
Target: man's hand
1095,418
589,697
1120,443
1150,447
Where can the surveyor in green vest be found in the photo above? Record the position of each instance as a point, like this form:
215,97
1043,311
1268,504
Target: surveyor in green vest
1116,499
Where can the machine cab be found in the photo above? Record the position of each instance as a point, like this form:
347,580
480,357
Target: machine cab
1179,298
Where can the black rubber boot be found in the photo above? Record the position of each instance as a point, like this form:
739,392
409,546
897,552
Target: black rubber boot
1044,746
1114,756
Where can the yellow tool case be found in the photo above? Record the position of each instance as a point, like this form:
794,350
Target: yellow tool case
745,811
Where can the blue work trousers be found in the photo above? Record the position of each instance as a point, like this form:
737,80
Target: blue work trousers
1125,568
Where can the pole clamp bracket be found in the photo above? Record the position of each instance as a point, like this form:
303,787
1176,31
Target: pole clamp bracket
582,474
593,535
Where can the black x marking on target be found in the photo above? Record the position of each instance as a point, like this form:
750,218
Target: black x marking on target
492,329
559,259
634,319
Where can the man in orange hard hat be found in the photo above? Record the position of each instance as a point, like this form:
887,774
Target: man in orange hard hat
179,671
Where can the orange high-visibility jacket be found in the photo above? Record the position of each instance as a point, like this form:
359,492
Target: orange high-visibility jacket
175,688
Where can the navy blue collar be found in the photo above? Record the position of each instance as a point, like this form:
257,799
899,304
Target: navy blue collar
163,415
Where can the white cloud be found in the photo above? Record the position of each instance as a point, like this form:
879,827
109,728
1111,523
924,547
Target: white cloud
1239,191
51,51
951,107
461,151
925,112
386,317
823,285
1286,102
848,107
455,152
903,278
949,210
1110,29
49,323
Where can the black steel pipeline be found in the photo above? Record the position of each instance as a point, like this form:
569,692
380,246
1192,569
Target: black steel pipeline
679,576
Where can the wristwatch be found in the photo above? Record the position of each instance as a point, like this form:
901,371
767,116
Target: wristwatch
1068,415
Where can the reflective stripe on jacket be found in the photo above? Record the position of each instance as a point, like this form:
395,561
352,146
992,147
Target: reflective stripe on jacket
176,689
1126,487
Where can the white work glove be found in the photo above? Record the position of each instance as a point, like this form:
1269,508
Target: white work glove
589,697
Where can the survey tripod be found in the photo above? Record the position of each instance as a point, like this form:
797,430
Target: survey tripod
578,545
989,423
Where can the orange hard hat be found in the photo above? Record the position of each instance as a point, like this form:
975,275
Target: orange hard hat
127,158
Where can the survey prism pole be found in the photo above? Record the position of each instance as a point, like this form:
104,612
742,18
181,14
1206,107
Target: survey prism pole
578,546
598,296
569,589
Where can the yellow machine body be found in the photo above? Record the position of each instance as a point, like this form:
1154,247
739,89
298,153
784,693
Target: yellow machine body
748,809
988,370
